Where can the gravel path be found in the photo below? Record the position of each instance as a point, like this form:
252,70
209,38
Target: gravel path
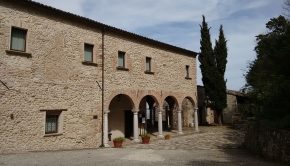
212,146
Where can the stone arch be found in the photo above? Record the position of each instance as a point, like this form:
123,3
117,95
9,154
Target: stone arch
119,97
187,108
170,107
120,117
129,94
148,114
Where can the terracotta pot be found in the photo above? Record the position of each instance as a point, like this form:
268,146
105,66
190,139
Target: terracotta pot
145,140
118,144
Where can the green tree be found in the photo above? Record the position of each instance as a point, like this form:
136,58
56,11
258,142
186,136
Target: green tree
213,65
221,53
287,8
268,78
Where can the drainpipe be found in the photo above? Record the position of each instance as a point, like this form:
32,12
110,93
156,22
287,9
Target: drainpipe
103,82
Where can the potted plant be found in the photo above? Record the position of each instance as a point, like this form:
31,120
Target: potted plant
118,142
167,136
145,138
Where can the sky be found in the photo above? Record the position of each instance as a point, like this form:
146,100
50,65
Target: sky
177,22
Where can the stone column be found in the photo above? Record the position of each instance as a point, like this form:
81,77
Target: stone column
135,126
105,123
179,120
195,119
160,130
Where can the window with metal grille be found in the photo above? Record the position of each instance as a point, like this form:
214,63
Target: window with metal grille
51,123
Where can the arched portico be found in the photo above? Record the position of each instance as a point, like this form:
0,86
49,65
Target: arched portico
148,114
121,119
171,113
121,116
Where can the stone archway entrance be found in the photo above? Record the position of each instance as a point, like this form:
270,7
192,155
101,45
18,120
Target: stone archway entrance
170,118
120,118
148,114
187,112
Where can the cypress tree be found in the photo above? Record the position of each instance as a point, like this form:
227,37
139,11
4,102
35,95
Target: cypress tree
213,65
220,52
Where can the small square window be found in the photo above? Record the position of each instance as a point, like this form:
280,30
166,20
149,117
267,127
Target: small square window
121,59
52,122
187,71
148,64
18,39
88,57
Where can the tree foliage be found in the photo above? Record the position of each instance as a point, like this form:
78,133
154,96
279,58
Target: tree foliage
213,66
268,78
287,8
221,52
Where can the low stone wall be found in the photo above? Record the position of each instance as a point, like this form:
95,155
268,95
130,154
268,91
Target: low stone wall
270,143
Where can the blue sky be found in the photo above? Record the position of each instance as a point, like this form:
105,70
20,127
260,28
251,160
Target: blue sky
177,23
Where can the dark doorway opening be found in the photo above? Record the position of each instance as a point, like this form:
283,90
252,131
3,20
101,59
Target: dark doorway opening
128,123
148,116
170,118
200,116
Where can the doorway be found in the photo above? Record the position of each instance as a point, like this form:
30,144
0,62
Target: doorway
128,123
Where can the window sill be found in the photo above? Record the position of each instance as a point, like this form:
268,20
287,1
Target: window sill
148,72
52,135
19,53
89,63
188,78
122,68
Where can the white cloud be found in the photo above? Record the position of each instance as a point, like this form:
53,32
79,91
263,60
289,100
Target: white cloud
132,14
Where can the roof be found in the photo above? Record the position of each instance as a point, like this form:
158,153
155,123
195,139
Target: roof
236,93
230,92
31,5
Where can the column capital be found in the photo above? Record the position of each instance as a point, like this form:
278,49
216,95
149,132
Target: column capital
135,110
106,111
195,109
159,109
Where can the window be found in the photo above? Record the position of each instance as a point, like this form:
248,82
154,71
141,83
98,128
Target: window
18,39
187,71
88,53
121,59
148,64
52,122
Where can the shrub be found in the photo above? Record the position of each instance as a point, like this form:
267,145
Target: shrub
119,139
145,136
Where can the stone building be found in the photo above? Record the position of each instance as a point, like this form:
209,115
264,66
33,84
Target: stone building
67,82
235,103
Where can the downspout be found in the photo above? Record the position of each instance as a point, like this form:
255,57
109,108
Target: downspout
103,82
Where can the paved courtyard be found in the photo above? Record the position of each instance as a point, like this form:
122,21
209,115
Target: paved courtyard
211,146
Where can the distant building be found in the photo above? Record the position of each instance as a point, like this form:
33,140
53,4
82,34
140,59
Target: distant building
235,101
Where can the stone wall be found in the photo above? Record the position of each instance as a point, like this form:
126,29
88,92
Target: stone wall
54,77
231,109
270,143
208,115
